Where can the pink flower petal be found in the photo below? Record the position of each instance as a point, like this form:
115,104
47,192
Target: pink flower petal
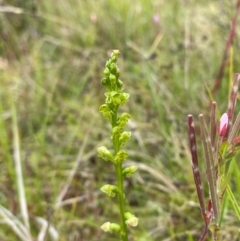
223,125
156,18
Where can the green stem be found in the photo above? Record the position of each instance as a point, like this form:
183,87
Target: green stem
118,169
121,197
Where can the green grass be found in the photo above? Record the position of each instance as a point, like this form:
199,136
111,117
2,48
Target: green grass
52,58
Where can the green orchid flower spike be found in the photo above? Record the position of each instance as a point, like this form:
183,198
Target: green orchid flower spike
116,98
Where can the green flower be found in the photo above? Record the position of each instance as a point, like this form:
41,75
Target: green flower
117,132
123,119
110,190
106,111
125,136
110,227
131,220
129,171
105,154
121,156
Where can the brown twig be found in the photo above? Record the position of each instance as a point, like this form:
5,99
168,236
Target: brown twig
232,102
229,42
197,176
213,123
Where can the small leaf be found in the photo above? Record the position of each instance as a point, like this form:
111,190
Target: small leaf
223,148
226,152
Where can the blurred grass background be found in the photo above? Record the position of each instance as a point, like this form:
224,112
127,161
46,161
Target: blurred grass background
52,57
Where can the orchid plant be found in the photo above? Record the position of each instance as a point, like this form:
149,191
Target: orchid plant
115,98
220,143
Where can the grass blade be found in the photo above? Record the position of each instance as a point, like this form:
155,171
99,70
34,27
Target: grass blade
211,175
18,228
18,170
233,202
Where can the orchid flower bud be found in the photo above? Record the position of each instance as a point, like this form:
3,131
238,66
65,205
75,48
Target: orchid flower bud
119,84
112,79
106,72
223,125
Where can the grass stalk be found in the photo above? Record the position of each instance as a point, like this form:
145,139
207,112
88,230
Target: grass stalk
19,173
72,173
227,49
211,175
195,166
16,225
233,201
235,129
232,102
213,124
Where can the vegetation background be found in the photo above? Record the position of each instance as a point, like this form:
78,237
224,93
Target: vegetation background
52,57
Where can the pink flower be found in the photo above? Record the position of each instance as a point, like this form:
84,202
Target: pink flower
93,17
223,125
156,18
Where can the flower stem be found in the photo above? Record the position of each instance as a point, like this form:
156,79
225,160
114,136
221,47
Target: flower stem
118,169
121,197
